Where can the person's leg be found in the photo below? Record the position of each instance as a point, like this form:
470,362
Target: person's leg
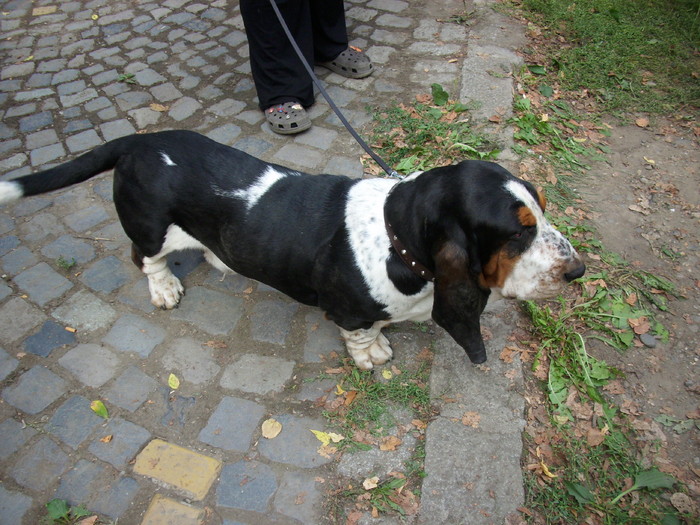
330,34
330,39
278,73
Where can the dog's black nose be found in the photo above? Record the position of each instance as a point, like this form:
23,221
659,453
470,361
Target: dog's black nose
575,273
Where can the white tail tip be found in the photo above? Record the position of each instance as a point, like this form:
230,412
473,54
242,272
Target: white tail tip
10,191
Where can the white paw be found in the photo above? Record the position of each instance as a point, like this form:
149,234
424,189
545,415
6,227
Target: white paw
380,351
166,291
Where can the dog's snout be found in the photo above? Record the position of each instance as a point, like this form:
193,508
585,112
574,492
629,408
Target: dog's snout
576,272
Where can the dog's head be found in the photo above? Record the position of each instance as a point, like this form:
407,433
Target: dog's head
486,231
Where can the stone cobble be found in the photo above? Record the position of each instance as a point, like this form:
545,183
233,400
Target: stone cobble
76,323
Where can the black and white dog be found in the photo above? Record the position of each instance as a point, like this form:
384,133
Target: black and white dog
368,252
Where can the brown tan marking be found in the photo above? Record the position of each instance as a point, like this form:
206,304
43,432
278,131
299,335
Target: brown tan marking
526,217
541,199
498,268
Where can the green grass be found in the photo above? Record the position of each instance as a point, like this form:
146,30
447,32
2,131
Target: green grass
632,55
435,131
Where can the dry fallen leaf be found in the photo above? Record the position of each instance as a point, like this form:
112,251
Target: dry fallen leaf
158,107
371,483
389,443
107,439
642,122
471,419
271,428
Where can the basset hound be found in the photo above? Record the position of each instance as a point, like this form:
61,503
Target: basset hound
367,252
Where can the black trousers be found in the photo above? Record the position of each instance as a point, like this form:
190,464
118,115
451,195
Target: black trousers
318,26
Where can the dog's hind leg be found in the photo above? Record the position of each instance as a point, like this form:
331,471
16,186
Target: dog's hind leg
166,289
368,347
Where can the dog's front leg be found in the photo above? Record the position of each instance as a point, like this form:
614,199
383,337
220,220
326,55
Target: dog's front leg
368,347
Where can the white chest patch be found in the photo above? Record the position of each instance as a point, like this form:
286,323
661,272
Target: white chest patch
364,218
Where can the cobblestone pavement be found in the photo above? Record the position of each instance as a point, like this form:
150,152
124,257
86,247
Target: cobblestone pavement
74,74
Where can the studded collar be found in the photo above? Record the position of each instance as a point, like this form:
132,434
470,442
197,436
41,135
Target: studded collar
409,260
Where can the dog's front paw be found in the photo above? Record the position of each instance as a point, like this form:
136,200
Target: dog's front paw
166,291
380,351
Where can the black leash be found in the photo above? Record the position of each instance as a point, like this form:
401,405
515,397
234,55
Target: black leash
314,78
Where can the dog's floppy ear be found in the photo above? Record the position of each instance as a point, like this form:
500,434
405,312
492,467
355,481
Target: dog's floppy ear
459,300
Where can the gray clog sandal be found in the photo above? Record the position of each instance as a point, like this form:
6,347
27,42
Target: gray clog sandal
287,118
351,63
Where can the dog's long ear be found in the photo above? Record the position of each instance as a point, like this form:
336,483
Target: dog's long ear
459,300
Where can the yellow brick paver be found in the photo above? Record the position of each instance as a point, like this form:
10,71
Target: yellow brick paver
165,511
186,470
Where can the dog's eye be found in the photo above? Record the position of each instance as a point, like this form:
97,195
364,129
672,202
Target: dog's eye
517,235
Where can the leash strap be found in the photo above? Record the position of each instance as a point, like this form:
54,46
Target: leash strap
317,82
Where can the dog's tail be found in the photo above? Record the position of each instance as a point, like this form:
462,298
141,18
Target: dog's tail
93,163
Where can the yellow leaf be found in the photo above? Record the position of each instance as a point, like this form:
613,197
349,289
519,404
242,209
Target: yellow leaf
271,428
649,161
99,408
95,17
173,382
158,107
107,439
387,374
30,57
371,483
546,471
323,437
544,118
339,391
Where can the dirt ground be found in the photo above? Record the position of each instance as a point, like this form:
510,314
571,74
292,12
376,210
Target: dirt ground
646,206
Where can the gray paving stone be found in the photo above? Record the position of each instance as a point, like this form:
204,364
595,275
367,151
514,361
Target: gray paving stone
246,485
344,166
106,275
48,338
76,125
184,108
40,226
118,128
133,333
12,437
69,249
191,361
233,283
227,107
17,70
7,364
24,109
46,154
131,389
78,98
41,138
212,311
299,155
25,318
253,146
91,364
165,92
317,137
73,421
137,296
115,498
69,88
322,337
42,283
6,224
127,440
4,291
85,311
232,424
13,506
298,496
257,374
78,483
132,99
36,389
18,259
148,77
144,117
225,134
295,445
8,244
40,465
36,121
97,104
271,321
